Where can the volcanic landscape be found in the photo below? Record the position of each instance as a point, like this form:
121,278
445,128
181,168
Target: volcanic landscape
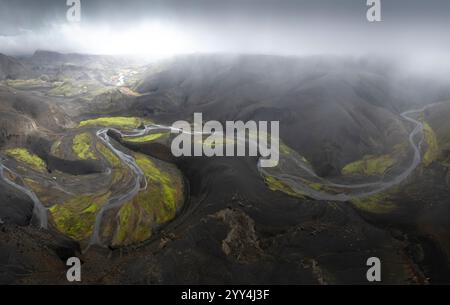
86,170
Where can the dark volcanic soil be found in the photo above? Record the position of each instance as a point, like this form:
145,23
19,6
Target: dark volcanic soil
232,228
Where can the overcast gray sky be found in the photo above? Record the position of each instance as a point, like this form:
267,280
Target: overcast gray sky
409,27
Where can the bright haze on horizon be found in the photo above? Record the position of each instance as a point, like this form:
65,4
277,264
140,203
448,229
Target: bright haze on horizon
414,30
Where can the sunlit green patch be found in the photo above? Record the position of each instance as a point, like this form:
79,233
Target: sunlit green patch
146,138
114,161
285,150
130,122
76,217
69,88
82,144
431,141
66,89
276,185
154,206
23,155
315,186
163,180
134,223
108,154
28,83
375,204
370,165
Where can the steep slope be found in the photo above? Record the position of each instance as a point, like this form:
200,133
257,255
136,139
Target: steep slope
332,111
234,226
11,68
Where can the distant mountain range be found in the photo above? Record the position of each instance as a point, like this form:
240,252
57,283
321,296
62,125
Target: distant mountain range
75,152
11,68
331,110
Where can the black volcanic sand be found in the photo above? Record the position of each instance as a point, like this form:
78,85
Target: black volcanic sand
15,207
422,220
30,256
232,228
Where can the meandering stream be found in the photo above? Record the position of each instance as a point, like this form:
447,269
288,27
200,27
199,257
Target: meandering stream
140,183
39,210
295,182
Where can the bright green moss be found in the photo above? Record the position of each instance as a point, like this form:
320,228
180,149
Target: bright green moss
123,223
276,185
76,217
69,88
27,83
82,144
134,224
153,174
23,155
114,161
134,220
315,186
285,150
93,208
369,165
130,122
153,206
146,138
108,154
66,89
432,152
375,204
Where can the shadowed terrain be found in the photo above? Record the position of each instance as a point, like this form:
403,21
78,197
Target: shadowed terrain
86,137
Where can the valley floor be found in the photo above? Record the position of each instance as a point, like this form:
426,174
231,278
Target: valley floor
86,171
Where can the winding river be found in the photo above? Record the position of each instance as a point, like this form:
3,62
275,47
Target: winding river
39,210
140,183
295,182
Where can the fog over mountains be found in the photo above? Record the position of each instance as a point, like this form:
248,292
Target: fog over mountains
341,126
87,170
416,31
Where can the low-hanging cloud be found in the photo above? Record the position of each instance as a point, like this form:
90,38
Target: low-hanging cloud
417,31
